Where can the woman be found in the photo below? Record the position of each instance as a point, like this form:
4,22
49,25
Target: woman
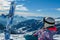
49,29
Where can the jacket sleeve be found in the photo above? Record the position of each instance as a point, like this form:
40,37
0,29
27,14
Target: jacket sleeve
36,33
42,35
48,36
39,34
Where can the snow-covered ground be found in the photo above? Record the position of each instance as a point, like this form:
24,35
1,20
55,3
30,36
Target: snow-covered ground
13,36
56,37
21,36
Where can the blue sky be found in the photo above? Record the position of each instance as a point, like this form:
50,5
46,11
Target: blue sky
37,7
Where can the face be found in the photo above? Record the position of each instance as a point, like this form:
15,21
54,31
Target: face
47,25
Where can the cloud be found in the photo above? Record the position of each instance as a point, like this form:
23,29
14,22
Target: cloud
0,4
20,0
39,10
58,9
9,0
5,6
15,0
27,14
21,7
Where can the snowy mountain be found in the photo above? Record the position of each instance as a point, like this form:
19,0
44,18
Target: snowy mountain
28,25
35,17
24,24
57,20
20,22
3,19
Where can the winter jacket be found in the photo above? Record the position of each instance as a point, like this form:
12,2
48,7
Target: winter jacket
46,33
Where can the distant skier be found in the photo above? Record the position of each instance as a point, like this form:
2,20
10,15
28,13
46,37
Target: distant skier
49,29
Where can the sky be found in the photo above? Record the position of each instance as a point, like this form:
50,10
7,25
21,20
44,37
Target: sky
46,8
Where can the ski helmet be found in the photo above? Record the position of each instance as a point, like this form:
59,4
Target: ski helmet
49,21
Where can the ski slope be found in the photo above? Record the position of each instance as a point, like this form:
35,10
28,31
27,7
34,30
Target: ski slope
21,36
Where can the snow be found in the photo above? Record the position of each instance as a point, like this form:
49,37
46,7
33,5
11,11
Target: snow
17,37
21,36
56,37
57,19
13,36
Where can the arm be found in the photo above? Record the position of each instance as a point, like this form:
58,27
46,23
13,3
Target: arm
41,35
35,33
48,35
